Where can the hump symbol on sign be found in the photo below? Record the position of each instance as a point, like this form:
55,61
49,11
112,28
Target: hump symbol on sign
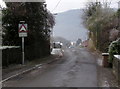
23,28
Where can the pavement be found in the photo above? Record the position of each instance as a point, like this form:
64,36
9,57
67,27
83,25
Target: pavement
15,70
106,77
78,67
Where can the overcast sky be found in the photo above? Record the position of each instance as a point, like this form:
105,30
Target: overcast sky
65,5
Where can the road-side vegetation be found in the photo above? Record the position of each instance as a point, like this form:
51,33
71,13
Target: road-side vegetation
114,49
39,20
102,23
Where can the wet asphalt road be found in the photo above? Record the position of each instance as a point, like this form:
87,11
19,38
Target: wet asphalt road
78,68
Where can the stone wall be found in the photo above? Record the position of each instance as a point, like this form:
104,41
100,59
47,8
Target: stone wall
116,67
10,55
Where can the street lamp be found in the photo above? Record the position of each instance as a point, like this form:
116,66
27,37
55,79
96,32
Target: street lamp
52,29
51,35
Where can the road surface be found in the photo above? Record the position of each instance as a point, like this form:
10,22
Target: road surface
78,68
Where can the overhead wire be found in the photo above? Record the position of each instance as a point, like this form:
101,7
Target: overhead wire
56,5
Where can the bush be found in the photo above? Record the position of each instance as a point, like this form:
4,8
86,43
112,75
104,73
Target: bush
114,49
99,20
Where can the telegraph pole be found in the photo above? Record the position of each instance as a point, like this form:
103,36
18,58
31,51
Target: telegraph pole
119,5
118,14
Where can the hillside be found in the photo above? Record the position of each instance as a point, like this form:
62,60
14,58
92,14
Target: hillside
69,25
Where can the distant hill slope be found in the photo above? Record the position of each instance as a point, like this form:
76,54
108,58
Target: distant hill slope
69,25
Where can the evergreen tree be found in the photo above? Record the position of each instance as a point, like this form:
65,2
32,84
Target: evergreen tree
39,21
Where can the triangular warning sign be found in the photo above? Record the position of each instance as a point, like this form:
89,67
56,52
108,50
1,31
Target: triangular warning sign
22,28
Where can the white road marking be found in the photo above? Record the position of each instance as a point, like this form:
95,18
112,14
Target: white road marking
39,66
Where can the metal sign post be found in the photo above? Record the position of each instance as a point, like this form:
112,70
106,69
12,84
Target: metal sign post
23,53
23,33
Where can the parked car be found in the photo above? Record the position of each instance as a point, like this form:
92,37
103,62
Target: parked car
57,52
71,47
